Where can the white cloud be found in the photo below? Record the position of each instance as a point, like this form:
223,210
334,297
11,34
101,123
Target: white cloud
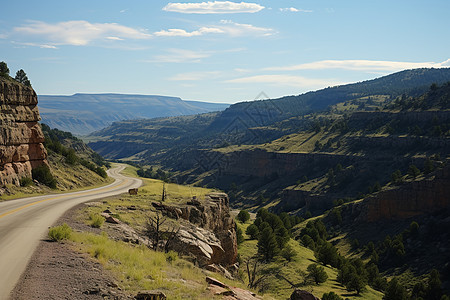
194,76
184,33
361,65
293,9
237,29
226,27
78,33
43,46
286,80
213,7
180,56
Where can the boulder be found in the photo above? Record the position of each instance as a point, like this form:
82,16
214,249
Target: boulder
302,295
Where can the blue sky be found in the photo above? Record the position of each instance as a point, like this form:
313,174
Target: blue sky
218,51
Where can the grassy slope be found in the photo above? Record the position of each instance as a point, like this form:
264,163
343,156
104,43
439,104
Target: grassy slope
295,271
137,267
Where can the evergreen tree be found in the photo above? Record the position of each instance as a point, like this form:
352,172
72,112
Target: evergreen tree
4,70
21,77
288,253
252,231
413,171
317,273
267,244
327,254
243,216
434,289
395,291
428,166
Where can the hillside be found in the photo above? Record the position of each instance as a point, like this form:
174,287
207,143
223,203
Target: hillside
259,121
84,113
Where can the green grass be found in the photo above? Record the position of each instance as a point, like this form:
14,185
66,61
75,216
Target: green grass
148,193
139,268
295,272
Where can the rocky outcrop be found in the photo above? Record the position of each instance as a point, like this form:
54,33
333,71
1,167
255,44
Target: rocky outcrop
209,233
21,137
408,200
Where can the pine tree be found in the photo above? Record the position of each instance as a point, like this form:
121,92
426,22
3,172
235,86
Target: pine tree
4,70
21,77
267,244
317,273
395,291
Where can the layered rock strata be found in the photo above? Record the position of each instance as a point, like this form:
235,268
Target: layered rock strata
21,138
411,199
209,234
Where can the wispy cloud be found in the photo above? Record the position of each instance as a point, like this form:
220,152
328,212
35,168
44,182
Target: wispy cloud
184,33
213,7
238,29
43,46
293,9
286,80
194,76
361,65
78,33
180,56
225,27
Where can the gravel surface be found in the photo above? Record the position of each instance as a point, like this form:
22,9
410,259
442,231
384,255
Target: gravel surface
59,271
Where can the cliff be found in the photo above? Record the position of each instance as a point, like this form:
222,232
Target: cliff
209,233
408,200
21,138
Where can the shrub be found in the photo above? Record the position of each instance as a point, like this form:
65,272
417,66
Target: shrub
44,176
59,233
171,256
96,220
25,181
243,216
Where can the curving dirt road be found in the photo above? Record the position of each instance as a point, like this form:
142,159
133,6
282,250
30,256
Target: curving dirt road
24,222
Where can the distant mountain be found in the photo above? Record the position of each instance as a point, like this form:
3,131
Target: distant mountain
82,114
260,113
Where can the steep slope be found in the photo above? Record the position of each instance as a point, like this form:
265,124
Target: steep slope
84,113
21,138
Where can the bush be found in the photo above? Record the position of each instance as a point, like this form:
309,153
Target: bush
96,220
59,233
25,181
171,256
44,176
243,216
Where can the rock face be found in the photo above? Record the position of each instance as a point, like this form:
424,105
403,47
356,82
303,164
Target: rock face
209,234
21,137
409,200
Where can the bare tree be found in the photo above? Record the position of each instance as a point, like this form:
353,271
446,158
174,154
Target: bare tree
153,228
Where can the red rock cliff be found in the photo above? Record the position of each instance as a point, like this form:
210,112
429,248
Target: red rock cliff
21,137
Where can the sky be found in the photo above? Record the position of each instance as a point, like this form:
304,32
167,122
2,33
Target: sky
218,51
